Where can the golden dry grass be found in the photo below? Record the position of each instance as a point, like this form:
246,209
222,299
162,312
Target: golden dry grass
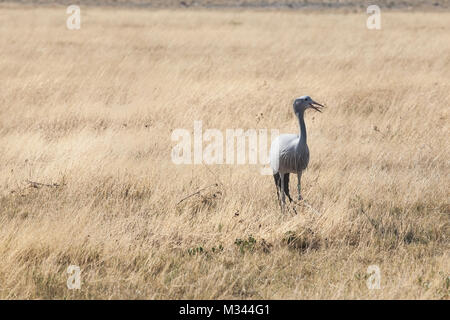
93,110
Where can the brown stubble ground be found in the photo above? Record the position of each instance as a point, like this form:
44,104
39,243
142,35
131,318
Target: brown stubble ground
93,111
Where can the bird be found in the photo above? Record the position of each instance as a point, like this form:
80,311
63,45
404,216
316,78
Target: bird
289,153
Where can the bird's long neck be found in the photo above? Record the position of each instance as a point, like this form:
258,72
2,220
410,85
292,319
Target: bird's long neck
301,123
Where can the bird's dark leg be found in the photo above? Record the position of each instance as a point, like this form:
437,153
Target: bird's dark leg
299,178
286,186
286,190
283,194
277,179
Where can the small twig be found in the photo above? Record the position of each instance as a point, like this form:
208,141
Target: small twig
195,193
374,225
35,184
293,208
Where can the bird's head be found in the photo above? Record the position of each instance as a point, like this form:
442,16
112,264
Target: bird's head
305,102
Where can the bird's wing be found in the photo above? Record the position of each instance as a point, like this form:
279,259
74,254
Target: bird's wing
282,152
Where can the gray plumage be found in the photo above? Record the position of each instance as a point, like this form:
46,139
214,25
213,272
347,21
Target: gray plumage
289,153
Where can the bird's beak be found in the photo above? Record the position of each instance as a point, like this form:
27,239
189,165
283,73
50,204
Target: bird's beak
316,106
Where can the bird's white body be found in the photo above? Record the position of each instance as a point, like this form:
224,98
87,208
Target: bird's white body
288,155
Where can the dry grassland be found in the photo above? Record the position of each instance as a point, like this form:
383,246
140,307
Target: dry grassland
90,114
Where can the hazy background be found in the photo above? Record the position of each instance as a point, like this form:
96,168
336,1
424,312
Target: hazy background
261,4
